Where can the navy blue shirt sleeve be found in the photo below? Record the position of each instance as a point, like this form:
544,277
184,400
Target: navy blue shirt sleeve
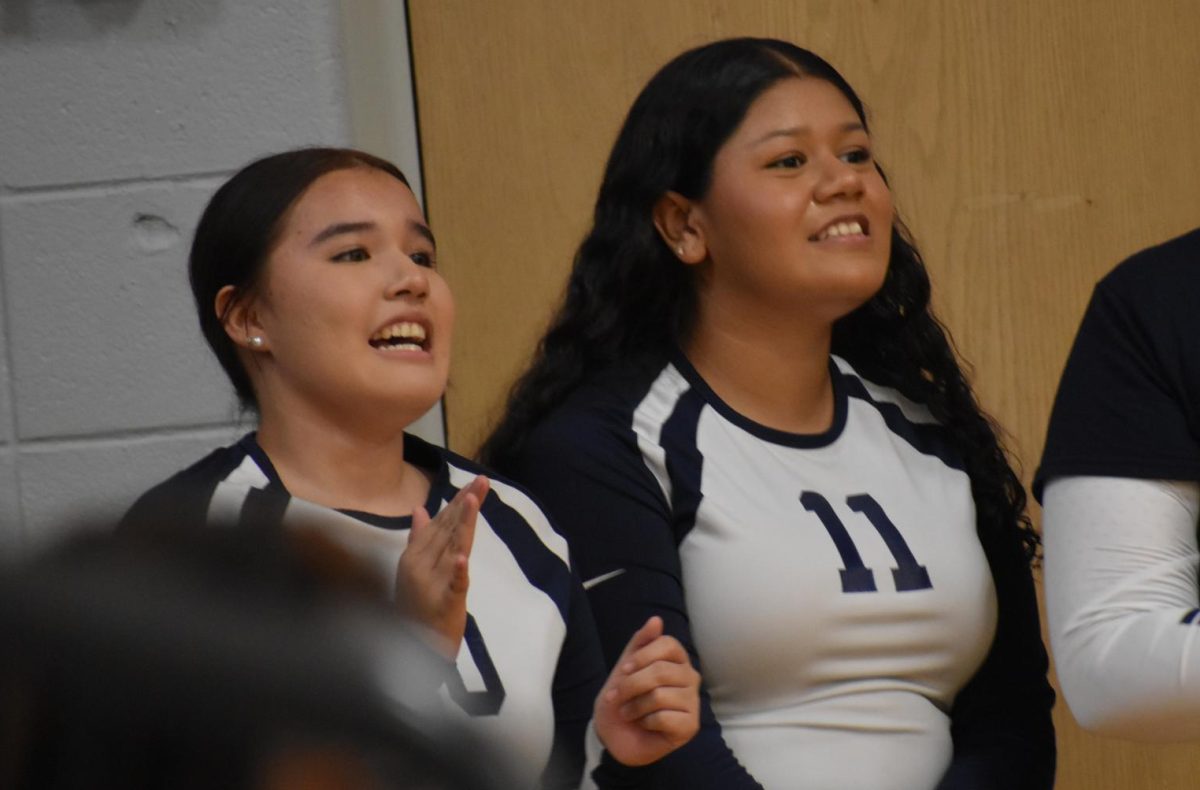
577,680
1128,404
181,501
592,482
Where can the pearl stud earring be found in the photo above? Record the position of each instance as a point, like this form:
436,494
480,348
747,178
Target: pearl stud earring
255,341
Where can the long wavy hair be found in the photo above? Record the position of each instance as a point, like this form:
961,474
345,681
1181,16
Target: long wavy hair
629,298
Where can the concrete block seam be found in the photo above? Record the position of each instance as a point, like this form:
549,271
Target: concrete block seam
132,438
86,189
9,383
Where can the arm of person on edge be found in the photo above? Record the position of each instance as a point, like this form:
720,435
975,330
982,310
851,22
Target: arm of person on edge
1121,603
1119,485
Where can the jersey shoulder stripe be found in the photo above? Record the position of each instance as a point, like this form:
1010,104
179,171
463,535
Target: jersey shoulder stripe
685,464
542,566
652,413
521,524
182,500
926,437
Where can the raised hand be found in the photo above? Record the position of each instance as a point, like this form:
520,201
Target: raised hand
650,704
431,576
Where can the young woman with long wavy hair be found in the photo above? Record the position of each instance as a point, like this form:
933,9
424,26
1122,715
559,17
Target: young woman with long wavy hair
749,422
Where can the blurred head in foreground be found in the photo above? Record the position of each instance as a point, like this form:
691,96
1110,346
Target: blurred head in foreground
213,658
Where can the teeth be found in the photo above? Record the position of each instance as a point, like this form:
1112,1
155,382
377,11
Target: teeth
853,227
405,335
405,329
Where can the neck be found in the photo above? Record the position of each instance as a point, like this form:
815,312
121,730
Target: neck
352,463
773,372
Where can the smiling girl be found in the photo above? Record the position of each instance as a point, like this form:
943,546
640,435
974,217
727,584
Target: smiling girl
748,422
315,279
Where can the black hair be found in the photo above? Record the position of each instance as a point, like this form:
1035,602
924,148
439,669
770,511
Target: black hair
629,298
241,225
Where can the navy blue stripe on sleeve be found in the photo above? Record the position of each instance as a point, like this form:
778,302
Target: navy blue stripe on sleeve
541,566
685,463
927,438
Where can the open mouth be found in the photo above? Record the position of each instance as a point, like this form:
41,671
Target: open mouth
855,226
400,336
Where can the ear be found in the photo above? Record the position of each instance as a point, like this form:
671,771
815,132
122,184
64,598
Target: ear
673,215
238,313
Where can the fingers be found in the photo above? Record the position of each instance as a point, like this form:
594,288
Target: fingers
420,519
460,581
676,726
457,519
472,499
453,528
655,696
651,630
649,645
665,666
478,487
650,704
655,676
429,538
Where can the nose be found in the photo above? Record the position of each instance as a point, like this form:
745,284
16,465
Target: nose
407,280
838,180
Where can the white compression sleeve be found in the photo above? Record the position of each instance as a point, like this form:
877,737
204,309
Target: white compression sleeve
1121,580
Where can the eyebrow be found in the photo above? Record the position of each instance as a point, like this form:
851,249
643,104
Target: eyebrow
423,229
799,131
341,228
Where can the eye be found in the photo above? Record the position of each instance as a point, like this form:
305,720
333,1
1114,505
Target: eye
790,162
352,255
425,259
857,156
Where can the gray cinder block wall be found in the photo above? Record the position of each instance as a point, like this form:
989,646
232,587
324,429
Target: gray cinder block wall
118,118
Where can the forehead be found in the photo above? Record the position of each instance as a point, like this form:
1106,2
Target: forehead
797,103
360,194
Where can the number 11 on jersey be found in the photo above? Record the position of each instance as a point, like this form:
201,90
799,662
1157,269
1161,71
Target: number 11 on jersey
856,576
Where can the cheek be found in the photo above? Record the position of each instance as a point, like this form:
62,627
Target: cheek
881,196
300,308
741,224
443,310
886,221
307,316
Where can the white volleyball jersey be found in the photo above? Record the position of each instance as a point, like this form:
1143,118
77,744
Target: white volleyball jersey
529,662
833,587
838,594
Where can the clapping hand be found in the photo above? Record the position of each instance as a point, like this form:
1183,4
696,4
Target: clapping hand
650,704
431,576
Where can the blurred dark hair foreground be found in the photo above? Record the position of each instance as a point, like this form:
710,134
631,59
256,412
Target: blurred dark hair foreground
189,658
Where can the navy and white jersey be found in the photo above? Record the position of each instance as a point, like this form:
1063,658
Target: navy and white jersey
832,588
529,667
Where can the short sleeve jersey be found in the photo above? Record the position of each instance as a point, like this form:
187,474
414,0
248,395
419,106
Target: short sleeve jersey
529,667
1128,404
833,585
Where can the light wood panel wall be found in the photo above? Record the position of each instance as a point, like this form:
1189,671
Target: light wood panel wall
1031,145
